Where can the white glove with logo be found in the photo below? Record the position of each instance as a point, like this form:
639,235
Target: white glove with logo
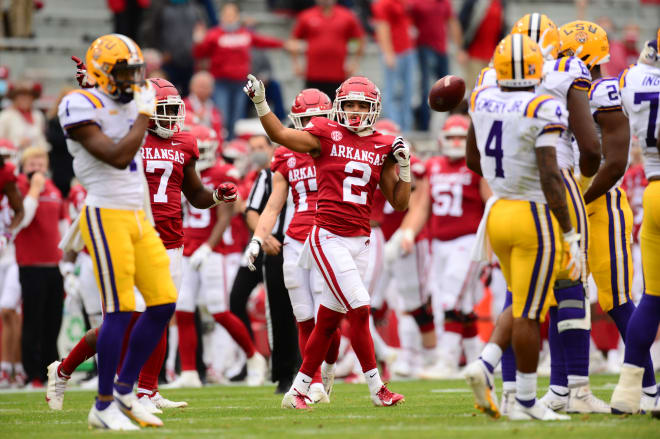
256,91
401,153
252,252
199,256
145,99
574,265
71,281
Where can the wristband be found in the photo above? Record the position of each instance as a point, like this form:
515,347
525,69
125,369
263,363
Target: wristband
404,173
258,240
215,198
262,108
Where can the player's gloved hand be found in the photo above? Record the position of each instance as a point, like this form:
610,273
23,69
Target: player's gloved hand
401,153
225,193
252,252
199,256
256,91
145,99
572,247
81,73
72,285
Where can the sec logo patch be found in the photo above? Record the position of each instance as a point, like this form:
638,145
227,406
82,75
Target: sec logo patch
336,136
291,163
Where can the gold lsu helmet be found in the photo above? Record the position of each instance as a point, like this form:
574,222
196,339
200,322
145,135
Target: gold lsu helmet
585,40
542,30
518,62
115,65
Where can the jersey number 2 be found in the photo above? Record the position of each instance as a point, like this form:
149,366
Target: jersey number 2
166,166
653,98
351,181
495,136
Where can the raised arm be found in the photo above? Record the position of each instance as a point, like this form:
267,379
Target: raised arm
295,140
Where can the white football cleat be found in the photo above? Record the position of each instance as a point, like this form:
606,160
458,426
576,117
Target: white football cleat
537,412
508,400
554,401
295,400
628,391
132,408
328,377
55,387
163,403
109,419
647,402
582,400
481,381
5,379
257,367
188,379
317,394
149,405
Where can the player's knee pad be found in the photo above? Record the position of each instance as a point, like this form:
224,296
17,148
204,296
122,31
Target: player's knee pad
573,310
424,318
303,311
291,274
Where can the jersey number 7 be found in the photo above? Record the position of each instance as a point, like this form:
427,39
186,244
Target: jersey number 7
495,136
653,98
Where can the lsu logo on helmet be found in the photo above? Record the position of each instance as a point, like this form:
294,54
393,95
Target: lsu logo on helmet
585,40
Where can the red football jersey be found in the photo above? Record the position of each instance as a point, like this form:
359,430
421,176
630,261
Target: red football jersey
298,169
348,171
456,205
198,223
163,161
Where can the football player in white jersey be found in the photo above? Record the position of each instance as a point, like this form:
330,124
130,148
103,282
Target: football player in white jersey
610,215
567,79
640,95
106,126
527,221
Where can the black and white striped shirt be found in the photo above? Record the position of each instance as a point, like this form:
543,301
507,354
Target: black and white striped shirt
261,190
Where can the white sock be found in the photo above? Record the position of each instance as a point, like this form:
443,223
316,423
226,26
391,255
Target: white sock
650,390
5,366
327,368
145,391
172,347
472,347
373,380
301,384
18,368
559,390
509,386
451,348
525,386
430,356
492,354
575,381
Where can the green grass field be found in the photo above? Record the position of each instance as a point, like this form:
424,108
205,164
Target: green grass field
433,409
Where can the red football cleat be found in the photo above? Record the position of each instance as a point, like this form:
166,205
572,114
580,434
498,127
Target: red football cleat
385,398
295,400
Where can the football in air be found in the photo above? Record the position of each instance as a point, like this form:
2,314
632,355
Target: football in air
446,93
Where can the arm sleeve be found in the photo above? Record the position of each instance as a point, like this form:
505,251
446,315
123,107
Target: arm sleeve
265,41
75,110
355,28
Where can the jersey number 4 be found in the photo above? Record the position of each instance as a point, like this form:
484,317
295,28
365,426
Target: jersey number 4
653,98
161,195
495,137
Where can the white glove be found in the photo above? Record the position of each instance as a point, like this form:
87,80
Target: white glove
393,247
199,256
574,265
252,252
401,153
256,91
72,285
145,99
66,267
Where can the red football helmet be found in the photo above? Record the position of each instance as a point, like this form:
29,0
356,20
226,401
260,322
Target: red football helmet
8,150
170,110
207,144
452,138
388,126
309,103
357,88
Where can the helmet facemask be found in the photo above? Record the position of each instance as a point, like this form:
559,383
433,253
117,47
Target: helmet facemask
356,121
169,116
123,78
297,118
207,149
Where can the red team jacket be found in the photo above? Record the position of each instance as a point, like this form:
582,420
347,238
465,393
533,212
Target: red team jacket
348,171
163,161
456,205
299,171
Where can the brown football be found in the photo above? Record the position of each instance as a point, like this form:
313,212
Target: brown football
446,93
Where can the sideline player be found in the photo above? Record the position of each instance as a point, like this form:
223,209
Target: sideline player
296,171
524,218
351,159
640,95
451,198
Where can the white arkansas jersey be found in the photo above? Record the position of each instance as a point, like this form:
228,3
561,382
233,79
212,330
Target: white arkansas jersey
558,77
508,127
106,186
640,94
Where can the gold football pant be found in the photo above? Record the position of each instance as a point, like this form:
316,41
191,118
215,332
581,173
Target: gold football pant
650,239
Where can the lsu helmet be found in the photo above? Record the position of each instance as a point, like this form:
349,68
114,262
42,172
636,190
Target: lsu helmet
453,136
585,40
170,110
115,65
309,103
387,126
542,31
518,62
357,88
207,144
